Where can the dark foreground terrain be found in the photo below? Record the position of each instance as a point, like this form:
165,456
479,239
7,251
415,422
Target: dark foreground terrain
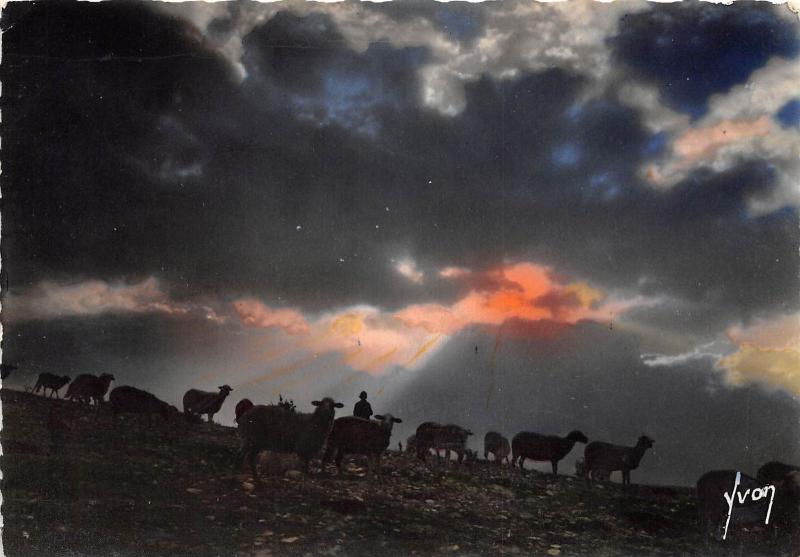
132,489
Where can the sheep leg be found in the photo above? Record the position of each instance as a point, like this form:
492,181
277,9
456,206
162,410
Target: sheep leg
209,417
555,467
252,457
239,460
327,455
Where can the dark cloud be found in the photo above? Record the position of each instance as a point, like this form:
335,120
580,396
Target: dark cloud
692,51
205,183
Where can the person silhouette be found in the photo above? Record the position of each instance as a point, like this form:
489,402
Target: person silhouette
362,408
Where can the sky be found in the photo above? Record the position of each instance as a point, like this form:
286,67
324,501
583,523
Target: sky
510,216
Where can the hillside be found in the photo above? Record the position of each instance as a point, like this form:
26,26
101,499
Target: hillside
139,490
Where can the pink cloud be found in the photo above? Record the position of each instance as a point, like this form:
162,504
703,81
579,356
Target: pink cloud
454,272
696,143
253,313
51,300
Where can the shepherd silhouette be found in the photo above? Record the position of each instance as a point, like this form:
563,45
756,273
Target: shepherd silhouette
362,408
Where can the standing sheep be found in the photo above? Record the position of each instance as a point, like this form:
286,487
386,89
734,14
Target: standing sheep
130,400
497,445
273,428
50,381
538,447
197,403
435,436
609,458
87,388
353,435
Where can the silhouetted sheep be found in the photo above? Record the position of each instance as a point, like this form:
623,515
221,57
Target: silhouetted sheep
435,436
86,388
358,436
50,381
607,457
538,447
130,400
202,402
273,428
774,471
497,445
241,407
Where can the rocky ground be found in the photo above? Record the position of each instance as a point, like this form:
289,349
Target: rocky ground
73,484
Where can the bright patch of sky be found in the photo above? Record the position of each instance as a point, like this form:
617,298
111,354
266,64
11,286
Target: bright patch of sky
566,154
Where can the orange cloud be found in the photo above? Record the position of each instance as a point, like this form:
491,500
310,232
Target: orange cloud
525,298
253,313
714,146
773,366
697,143
768,352
523,291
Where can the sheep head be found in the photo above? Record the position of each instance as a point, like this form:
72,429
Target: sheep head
387,421
645,441
327,405
577,437
225,389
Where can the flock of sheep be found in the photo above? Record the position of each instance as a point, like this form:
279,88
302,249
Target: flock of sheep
281,428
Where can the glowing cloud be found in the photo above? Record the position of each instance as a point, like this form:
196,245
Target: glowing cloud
523,291
408,268
453,272
696,143
776,367
526,299
768,352
253,313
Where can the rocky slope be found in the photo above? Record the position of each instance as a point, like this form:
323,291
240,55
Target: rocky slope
73,484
